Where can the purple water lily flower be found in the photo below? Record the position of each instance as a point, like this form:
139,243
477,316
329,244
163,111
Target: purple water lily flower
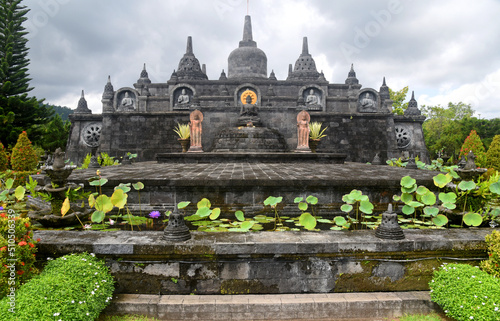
154,214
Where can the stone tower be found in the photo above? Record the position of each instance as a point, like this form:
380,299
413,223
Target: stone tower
247,61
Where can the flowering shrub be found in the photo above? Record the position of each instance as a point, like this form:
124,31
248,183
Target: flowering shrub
4,158
16,243
492,266
73,287
493,154
465,292
473,142
24,157
19,177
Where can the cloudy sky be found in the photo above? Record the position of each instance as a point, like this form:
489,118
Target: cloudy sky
446,51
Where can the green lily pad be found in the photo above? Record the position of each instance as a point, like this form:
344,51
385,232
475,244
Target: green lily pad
366,207
240,216
441,180
467,185
215,213
182,205
422,190
406,198
346,208
408,209
303,206
495,188
429,198
204,203
440,220
313,200
408,182
432,211
448,197
203,211
247,225
340,220
138,186
473,219
308,221
298,199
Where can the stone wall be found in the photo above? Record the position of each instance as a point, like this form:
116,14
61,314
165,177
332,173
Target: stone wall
270,262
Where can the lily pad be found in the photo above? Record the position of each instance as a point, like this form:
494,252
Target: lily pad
303,206
440,220
346,208
240,216
473,219
313,200
408,182
441,180
467,185
215,213
308,221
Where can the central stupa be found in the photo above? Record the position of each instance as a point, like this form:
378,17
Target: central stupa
247,61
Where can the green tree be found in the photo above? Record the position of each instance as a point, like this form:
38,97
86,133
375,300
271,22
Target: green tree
493,154
446,128
24,157
398,97
4,159
18,112
55,134
473,143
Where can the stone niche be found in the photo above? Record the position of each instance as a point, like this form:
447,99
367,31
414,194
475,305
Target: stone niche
368,101
125,100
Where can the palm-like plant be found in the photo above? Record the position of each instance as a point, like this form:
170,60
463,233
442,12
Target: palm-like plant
183,131
315,132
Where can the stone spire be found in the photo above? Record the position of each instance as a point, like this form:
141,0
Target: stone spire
82,107
247,34
108,90
272,76
189,67
144,78
223,75
412,109
351,77
305,67
247,61
384,91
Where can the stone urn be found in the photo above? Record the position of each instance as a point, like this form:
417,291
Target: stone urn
184,144
313,144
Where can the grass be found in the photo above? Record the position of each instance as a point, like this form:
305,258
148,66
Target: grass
423,317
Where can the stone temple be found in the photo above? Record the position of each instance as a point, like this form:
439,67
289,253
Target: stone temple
141,118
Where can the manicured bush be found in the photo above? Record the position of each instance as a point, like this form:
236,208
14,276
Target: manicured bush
493,154
473,142
4,158
19,177
24,157
492,265
73,287
16,243
465,292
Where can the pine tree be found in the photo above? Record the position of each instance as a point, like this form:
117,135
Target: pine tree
473,143
55,134
493,154
18,112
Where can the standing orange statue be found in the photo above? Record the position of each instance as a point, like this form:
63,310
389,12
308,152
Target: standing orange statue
196,118
303,119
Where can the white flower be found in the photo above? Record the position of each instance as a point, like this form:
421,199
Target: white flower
64,258
473,276
49,259
496,309
92,293
56,314
461,306
84,260
485,297
72,301
445,311
80,302
111,222
480,282
483,303
97,286
88,313
458,278
92,254
471,317
87,226
475,296
95,273
432,281
90,263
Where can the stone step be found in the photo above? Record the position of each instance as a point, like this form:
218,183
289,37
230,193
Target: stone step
322,306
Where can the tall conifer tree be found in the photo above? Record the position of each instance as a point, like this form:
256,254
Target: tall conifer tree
18,112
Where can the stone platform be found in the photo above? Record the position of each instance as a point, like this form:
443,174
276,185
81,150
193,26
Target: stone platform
328,306
235,157
245,185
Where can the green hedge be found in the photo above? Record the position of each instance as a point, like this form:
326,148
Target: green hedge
70,288
465,292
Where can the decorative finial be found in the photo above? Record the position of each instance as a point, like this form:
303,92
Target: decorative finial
189,47
247,34
383,84
305,47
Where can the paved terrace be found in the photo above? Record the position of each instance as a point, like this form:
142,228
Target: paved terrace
268,174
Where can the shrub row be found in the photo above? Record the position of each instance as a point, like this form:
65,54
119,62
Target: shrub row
73,287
